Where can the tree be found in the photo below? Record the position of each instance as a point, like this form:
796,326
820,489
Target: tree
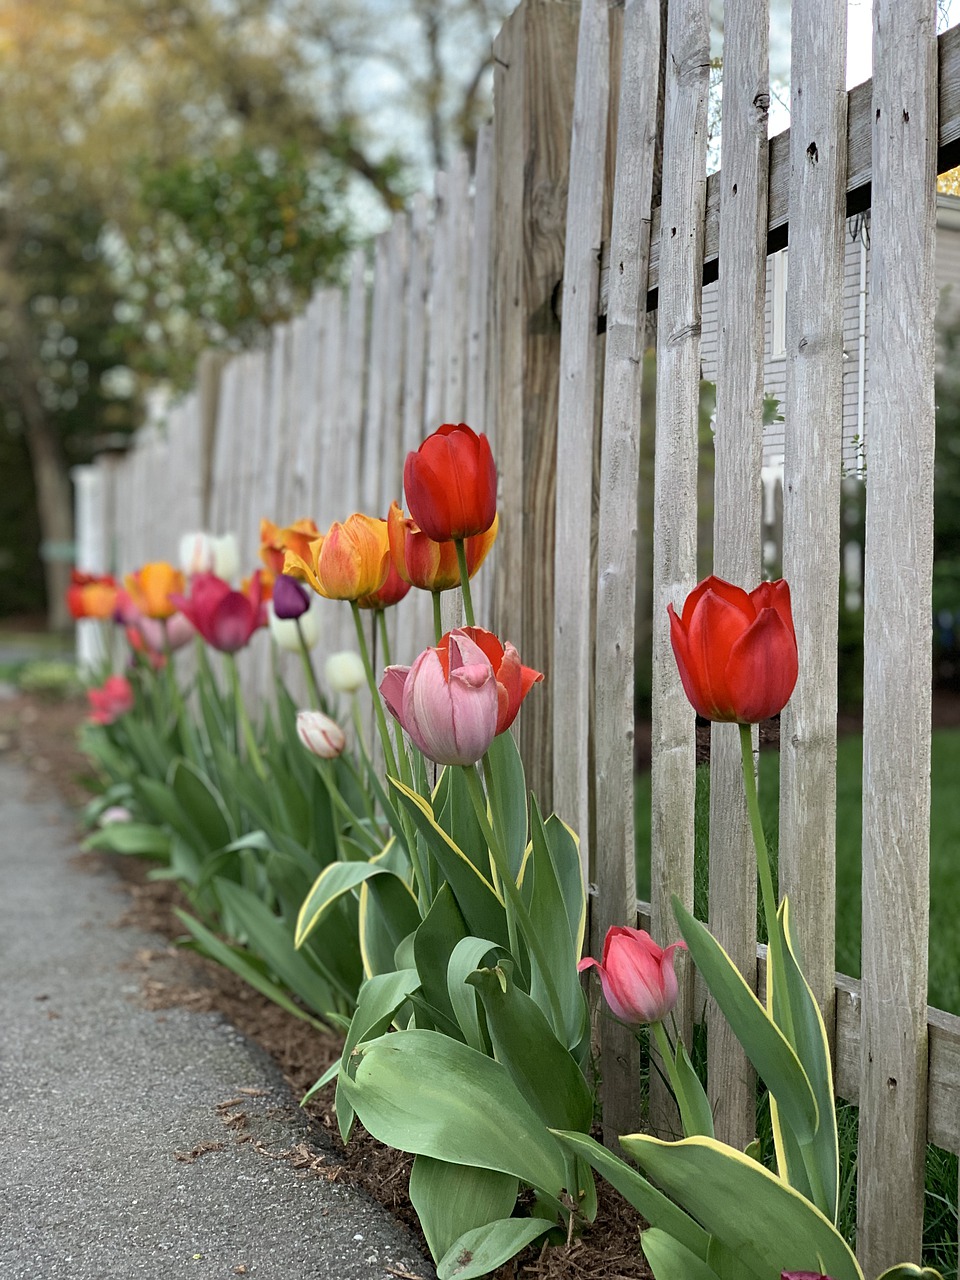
106,108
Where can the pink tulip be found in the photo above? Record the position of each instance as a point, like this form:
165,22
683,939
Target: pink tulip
225,618
637,977
112,700
447,701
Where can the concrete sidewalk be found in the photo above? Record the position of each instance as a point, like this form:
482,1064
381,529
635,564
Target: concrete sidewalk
97,1095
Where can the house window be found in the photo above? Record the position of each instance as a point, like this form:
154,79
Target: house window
778,319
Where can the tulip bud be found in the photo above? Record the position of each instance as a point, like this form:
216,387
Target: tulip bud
637,977
344,672
115,813
290,599
320,734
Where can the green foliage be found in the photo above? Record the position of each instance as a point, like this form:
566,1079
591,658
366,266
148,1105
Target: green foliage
229,244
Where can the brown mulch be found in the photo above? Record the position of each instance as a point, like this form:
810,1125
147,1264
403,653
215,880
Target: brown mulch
40,734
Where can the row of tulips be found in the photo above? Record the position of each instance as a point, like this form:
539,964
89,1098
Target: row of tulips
439,919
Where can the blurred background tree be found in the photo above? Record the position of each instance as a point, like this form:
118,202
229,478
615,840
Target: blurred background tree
176,174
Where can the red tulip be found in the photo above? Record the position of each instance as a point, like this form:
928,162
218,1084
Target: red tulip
225,618
451,483
736,651
391,591
112,700
514,681
637,977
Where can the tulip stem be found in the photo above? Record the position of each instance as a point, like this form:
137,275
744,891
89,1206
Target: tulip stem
406,773
246,727
665,1049
307,661
464,582
437,617
388,753
516,908
775,958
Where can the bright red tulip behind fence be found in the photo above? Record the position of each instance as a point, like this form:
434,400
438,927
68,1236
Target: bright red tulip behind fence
736,650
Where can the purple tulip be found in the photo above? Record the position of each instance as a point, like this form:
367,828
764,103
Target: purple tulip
447,701
291,599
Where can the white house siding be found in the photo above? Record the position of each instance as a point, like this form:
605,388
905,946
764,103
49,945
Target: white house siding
856,390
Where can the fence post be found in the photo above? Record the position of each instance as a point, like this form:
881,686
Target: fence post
534,68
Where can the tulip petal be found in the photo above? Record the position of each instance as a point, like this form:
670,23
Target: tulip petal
763,668
391,690
715,626
725,590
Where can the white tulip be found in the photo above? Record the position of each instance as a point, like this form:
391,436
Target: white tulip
284,630
226,557
197,553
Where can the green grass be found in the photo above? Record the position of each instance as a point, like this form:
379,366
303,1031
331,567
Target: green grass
940,1226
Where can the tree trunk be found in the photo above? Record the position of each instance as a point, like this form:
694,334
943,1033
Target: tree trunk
54,504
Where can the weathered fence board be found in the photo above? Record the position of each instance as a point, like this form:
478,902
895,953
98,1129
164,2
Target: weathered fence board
897,636
572,668
612,872
675,482
738,448
811,479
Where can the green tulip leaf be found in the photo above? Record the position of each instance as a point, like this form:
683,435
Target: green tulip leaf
140,839
477,899
763,1042
543,894
540,1066
507,797
379,1000
768,1225
442,929
389,915
237,961
333,881
670,1260
636,1190
482,1250
451,1199
422,1092
907,1271
269,936
814,1168
202,803
694,1104
467,956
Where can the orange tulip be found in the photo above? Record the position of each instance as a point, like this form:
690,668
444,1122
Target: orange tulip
152,585
736,651
349,561
91,595
275,542
429,565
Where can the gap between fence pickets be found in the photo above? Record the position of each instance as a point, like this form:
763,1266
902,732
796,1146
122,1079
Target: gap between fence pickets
859,161
943,1072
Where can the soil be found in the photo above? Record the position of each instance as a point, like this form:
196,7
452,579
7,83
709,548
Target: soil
40,734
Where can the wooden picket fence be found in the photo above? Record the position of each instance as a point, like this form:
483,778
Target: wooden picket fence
521,301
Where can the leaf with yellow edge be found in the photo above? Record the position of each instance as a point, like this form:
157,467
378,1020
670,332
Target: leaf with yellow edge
755,1215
